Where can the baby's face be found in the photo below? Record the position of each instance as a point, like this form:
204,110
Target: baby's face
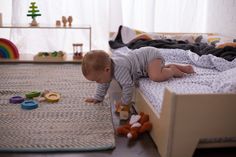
100,77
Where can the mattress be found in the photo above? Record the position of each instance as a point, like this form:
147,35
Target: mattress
212,75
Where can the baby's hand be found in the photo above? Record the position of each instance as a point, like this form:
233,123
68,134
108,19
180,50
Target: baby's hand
92,100
118,104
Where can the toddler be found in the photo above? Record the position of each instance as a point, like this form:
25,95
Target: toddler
98,66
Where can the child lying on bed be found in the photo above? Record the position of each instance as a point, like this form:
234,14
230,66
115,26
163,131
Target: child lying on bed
98,66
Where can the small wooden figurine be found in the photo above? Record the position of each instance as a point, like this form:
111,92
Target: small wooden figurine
77,55
70,19
64,21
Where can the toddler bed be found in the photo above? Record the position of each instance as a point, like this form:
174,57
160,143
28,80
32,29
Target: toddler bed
198,110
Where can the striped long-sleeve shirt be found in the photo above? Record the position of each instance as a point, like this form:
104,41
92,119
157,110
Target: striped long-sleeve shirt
127,69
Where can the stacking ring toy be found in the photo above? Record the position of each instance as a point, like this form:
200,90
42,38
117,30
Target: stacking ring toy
52,97
32,94
16,99
29,105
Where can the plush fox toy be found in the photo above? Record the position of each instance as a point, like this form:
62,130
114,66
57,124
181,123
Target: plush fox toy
137,125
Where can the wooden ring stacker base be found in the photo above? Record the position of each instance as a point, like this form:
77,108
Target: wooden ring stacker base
52,97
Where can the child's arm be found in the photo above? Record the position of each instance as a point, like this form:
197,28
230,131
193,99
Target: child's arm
126,82
127,93
100,93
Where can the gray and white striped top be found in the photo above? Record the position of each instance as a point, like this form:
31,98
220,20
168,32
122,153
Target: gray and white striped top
128,69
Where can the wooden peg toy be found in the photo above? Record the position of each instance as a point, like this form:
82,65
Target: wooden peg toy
64,21
58,23
70,19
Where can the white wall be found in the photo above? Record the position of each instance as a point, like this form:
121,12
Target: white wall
5,6
221,17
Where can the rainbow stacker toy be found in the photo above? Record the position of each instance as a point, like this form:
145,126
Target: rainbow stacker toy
8,50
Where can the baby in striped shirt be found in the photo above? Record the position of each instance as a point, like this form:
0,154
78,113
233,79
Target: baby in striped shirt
98,66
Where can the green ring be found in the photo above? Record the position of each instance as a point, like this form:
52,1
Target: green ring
32,94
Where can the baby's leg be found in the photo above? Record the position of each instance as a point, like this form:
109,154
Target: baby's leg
158,72
184,68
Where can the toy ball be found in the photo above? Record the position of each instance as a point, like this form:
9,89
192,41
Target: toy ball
52,97
32,94
29,105
16,99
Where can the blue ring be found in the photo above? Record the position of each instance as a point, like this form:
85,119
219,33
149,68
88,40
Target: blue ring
29,105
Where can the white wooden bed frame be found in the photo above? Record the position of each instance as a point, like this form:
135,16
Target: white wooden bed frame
186,118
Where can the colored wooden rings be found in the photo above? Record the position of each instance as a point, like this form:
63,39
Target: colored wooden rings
29,105
52,97
16,99
32,94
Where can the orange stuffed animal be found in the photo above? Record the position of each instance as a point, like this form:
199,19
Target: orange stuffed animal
137,125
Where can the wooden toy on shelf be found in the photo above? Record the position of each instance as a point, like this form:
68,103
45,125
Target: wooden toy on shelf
8,49
0,19
33,12
58,23
70,19
77,55
50,56
64,21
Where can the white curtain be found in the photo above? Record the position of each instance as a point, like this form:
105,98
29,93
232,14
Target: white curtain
165,15
103,16
84,13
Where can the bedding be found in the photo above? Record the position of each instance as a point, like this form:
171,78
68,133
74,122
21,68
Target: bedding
197,43
213,75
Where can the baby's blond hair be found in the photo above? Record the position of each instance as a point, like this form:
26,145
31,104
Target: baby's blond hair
95,60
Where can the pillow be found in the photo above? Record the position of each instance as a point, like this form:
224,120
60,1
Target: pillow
128,34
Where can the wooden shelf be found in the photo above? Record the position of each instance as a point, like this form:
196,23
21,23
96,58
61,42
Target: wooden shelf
45,27
28,58
41,26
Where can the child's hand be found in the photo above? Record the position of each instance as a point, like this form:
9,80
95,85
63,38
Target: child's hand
118,104
92,100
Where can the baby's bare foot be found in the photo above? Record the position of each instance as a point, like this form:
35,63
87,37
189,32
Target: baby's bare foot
188,69
176,71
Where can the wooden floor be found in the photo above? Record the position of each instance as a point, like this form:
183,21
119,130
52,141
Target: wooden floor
143,147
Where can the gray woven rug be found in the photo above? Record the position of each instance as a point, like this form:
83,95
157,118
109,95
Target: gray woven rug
68,125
